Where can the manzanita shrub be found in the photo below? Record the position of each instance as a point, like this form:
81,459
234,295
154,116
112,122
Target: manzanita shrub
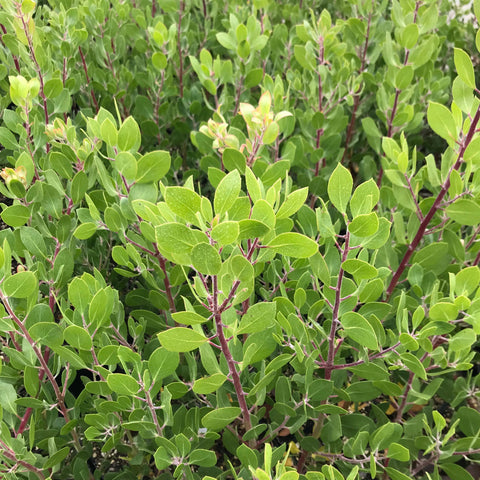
240,240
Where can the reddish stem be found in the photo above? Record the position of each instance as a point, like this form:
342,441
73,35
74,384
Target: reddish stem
433,209
92,93
36,65
15,58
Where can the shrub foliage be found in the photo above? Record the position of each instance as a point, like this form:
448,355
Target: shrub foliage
240,240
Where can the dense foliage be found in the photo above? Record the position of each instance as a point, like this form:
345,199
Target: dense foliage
240,240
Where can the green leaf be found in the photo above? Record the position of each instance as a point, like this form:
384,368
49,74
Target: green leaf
109,132
162,363
101,306
181,339
294,245
218,419
359,269
340,187
433,257
464,67
129,137
183,202
203,458
162,458
16,215
206,259
78,337
383,436
441,121
404,77
225,233
79,186
462,340
364,225
178,238
153,166
271,133
7,139
443,312
56,458
126,164
364,198
292,203
409,36
8,396
188,318
79,294
85,230
122,384
210,384
252,229
467,280
112,219
258,318
359,329
33,241
413,364
47,333
20,285
233,159
253,78
455,471
53,88
396,475
66,355
159,60
226,41
464,211
398,452
227,192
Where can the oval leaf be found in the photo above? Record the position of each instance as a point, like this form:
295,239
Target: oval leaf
359,329
293,245
181,339
220,418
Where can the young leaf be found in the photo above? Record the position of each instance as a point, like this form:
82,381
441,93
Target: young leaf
129,137
464,67
227,192
340,188
441,120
